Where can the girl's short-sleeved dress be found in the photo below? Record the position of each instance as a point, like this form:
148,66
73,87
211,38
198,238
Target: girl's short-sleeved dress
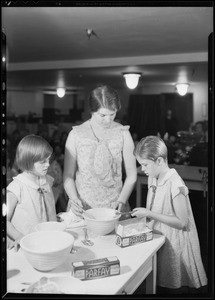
35,202
179,260
99,165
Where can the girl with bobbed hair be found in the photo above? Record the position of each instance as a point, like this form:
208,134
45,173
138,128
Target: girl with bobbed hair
168,212
151,148
31,149
30,198
95,152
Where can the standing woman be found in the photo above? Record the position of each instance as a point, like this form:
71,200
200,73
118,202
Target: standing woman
95,153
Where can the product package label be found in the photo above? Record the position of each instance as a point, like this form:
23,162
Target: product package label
99,268
133,240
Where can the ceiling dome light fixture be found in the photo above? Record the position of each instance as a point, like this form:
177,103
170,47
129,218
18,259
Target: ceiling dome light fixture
132,79
91,32
61,92
182,88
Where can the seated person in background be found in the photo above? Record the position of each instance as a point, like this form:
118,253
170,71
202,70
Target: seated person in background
200,131
199,153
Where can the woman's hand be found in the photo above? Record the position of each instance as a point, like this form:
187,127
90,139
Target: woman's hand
119,206
140,212
74,205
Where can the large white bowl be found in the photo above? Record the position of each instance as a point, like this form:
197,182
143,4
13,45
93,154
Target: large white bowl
59,226
46,250
104,222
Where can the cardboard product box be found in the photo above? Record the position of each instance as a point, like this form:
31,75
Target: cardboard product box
132,231
96,268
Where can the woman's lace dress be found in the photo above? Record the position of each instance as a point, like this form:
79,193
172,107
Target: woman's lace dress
99,174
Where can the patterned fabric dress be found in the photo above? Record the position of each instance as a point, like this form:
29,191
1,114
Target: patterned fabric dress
179,260
99,174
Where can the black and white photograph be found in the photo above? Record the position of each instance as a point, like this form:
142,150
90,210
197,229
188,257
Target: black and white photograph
107,118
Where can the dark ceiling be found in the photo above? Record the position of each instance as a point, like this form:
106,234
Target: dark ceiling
49,46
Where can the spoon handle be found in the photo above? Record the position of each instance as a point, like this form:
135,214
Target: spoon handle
79,207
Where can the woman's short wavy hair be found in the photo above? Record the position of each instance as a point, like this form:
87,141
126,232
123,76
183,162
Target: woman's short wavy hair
31,149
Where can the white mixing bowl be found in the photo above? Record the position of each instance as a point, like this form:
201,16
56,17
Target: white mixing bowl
59,226
104,222
46,250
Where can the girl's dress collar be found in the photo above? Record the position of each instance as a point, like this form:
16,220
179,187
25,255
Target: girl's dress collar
29,182
168,174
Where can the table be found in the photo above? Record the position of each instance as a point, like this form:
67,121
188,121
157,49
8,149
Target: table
194,177
137,263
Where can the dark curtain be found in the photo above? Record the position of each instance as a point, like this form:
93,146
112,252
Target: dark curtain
181,107
146,114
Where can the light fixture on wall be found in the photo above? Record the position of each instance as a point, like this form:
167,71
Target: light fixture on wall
61,92
132,79
182,88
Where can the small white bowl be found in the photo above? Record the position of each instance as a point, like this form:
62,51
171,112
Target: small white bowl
59,226
46,250
104,222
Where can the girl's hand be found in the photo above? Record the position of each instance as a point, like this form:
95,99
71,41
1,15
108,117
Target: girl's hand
140,212
14,244
10,243
17,244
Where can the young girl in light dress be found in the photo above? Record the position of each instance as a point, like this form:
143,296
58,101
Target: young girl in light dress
168,212
30,198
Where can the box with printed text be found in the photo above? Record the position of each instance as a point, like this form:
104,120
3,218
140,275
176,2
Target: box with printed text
96,268
132,231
